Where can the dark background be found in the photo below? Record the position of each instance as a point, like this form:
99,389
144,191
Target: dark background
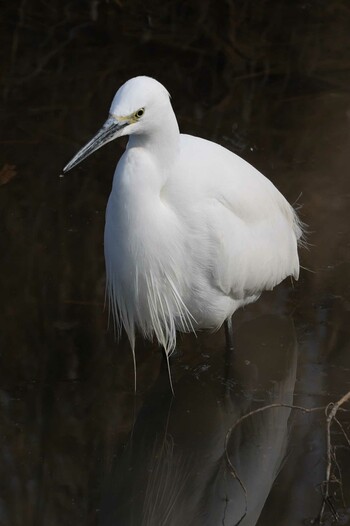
268,80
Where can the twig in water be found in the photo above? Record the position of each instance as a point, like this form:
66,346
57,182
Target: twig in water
232,469
330,417
330,412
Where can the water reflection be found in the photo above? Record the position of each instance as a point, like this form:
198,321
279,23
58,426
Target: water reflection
173,470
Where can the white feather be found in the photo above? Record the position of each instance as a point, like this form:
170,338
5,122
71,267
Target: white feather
193,232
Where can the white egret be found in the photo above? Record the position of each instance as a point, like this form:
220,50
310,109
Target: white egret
193,232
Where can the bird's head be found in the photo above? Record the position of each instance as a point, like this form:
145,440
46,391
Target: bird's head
136,109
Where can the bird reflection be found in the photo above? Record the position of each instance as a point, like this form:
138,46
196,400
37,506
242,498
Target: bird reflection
174,471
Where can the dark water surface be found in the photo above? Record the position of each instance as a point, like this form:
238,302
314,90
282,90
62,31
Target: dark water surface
269,80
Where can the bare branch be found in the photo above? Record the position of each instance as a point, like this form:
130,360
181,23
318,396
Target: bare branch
330,412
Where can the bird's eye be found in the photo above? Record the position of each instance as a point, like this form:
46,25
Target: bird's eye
139,113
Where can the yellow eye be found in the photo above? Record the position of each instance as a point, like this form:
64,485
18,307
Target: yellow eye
139,113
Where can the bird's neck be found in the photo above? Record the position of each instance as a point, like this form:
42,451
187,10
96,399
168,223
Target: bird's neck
161,141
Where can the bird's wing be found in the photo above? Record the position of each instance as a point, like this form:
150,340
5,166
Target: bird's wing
251,230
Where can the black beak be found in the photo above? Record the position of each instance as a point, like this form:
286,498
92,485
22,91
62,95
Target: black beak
109,131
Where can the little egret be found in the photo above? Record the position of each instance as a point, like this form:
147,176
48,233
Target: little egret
193,232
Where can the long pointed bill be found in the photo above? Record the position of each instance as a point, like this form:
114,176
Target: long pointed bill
107,133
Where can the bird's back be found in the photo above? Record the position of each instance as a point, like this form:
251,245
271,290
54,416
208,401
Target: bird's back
242,233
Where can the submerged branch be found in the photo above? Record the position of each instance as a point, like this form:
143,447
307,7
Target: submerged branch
330,450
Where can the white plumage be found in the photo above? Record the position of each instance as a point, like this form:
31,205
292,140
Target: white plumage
193,232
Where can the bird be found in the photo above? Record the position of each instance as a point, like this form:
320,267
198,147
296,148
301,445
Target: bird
192,232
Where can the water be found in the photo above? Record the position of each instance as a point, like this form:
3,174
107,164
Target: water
269,81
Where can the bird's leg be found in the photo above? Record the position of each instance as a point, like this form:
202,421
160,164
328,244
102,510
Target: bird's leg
229,354
229,335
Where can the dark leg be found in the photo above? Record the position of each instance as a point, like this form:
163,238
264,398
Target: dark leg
229,355
229,335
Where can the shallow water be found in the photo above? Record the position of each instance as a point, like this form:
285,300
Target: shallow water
269,80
